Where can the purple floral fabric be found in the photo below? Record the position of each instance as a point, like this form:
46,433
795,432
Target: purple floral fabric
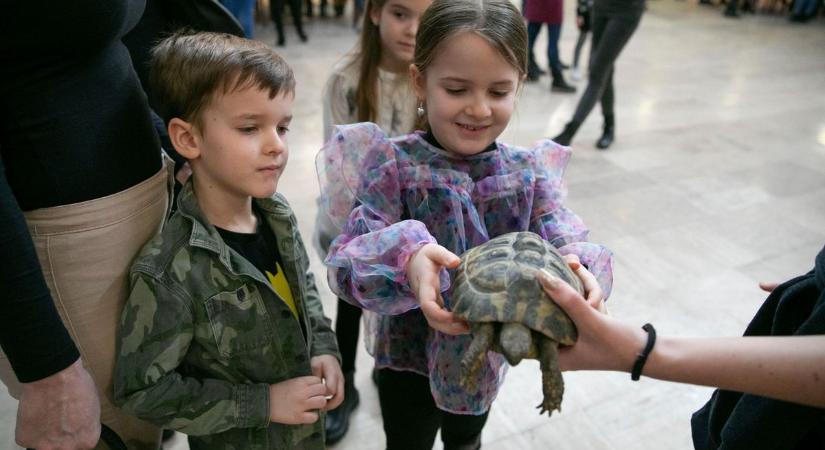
392,196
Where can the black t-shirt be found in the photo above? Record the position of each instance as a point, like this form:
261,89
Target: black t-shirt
261,249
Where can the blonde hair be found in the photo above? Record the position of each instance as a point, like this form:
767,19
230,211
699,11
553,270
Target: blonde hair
188,69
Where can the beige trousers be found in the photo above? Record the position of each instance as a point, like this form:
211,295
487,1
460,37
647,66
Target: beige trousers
85,250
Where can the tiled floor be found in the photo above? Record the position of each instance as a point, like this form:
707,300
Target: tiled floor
716,181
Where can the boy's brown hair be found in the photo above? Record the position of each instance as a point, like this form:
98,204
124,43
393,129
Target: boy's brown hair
188,69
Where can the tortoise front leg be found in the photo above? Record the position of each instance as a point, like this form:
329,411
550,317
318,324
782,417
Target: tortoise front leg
483,334
551,381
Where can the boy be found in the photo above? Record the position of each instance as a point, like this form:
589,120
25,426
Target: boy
223,336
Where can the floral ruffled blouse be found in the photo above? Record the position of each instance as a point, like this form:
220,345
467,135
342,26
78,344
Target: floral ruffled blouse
392,196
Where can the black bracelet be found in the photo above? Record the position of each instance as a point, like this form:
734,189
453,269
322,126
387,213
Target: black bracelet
642,357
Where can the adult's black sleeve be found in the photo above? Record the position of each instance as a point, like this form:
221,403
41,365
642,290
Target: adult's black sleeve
31,333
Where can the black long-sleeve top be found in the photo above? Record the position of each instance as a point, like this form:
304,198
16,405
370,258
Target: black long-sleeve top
74,126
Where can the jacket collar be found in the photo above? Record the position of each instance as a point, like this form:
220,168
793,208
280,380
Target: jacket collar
206,236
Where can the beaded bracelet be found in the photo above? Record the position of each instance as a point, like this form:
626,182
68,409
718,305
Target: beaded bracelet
642,357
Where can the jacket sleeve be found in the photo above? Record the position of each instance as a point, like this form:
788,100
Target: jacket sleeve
323,338
559,225
155,332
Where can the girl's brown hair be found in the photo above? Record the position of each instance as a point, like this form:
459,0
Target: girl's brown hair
369,56
497,21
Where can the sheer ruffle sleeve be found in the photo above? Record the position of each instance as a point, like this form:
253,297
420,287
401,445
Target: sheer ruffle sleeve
361,193
556,223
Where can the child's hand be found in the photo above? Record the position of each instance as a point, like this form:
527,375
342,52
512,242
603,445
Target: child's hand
297,401
592,291
422,275
326,367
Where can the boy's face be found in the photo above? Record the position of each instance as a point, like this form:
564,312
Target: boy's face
243,143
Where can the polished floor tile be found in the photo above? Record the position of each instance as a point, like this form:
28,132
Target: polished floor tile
716,181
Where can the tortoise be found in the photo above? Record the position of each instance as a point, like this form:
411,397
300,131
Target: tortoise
497,293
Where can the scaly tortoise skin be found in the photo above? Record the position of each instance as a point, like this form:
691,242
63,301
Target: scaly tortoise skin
495,290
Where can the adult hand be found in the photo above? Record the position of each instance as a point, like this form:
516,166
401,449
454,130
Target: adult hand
61,411
604,343
422,276
297,400
326,367
592,290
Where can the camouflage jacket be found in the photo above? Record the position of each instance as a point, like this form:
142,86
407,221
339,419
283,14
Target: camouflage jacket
203,334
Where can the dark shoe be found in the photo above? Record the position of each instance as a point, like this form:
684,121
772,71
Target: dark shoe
567,134
607,135
281,41
531,77
563,66
731,13
302,36
337,422
339,10
559,85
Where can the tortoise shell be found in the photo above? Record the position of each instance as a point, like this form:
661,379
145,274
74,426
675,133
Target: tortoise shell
496,282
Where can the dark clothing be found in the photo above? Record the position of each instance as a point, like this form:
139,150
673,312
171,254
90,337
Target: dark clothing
74,126
612,29
276,9
553,34
347,321
544,11
619,8
734,421
411,419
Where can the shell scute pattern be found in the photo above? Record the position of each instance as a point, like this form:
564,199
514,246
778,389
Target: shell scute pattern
496,292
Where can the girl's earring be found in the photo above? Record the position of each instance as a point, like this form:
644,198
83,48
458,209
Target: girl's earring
420,109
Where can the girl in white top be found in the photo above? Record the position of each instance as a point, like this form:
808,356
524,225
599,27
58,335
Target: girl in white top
370,84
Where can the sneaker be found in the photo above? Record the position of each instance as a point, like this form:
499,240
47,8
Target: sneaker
576,74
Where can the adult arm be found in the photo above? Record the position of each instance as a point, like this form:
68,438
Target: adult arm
789,368
58,401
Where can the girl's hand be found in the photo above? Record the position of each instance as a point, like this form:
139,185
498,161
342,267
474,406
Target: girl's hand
592,291
422,276
604,343
326,367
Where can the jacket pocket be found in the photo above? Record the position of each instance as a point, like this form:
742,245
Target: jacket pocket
239,322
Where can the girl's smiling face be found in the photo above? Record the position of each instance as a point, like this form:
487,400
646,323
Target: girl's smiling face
469,90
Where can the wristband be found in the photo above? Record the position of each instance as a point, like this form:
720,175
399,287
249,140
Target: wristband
642,357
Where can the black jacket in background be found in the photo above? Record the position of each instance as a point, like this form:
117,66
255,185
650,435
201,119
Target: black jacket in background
736,421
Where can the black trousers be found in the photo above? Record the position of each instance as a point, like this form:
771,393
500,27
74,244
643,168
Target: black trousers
276,10
347,323
610,34
411,419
